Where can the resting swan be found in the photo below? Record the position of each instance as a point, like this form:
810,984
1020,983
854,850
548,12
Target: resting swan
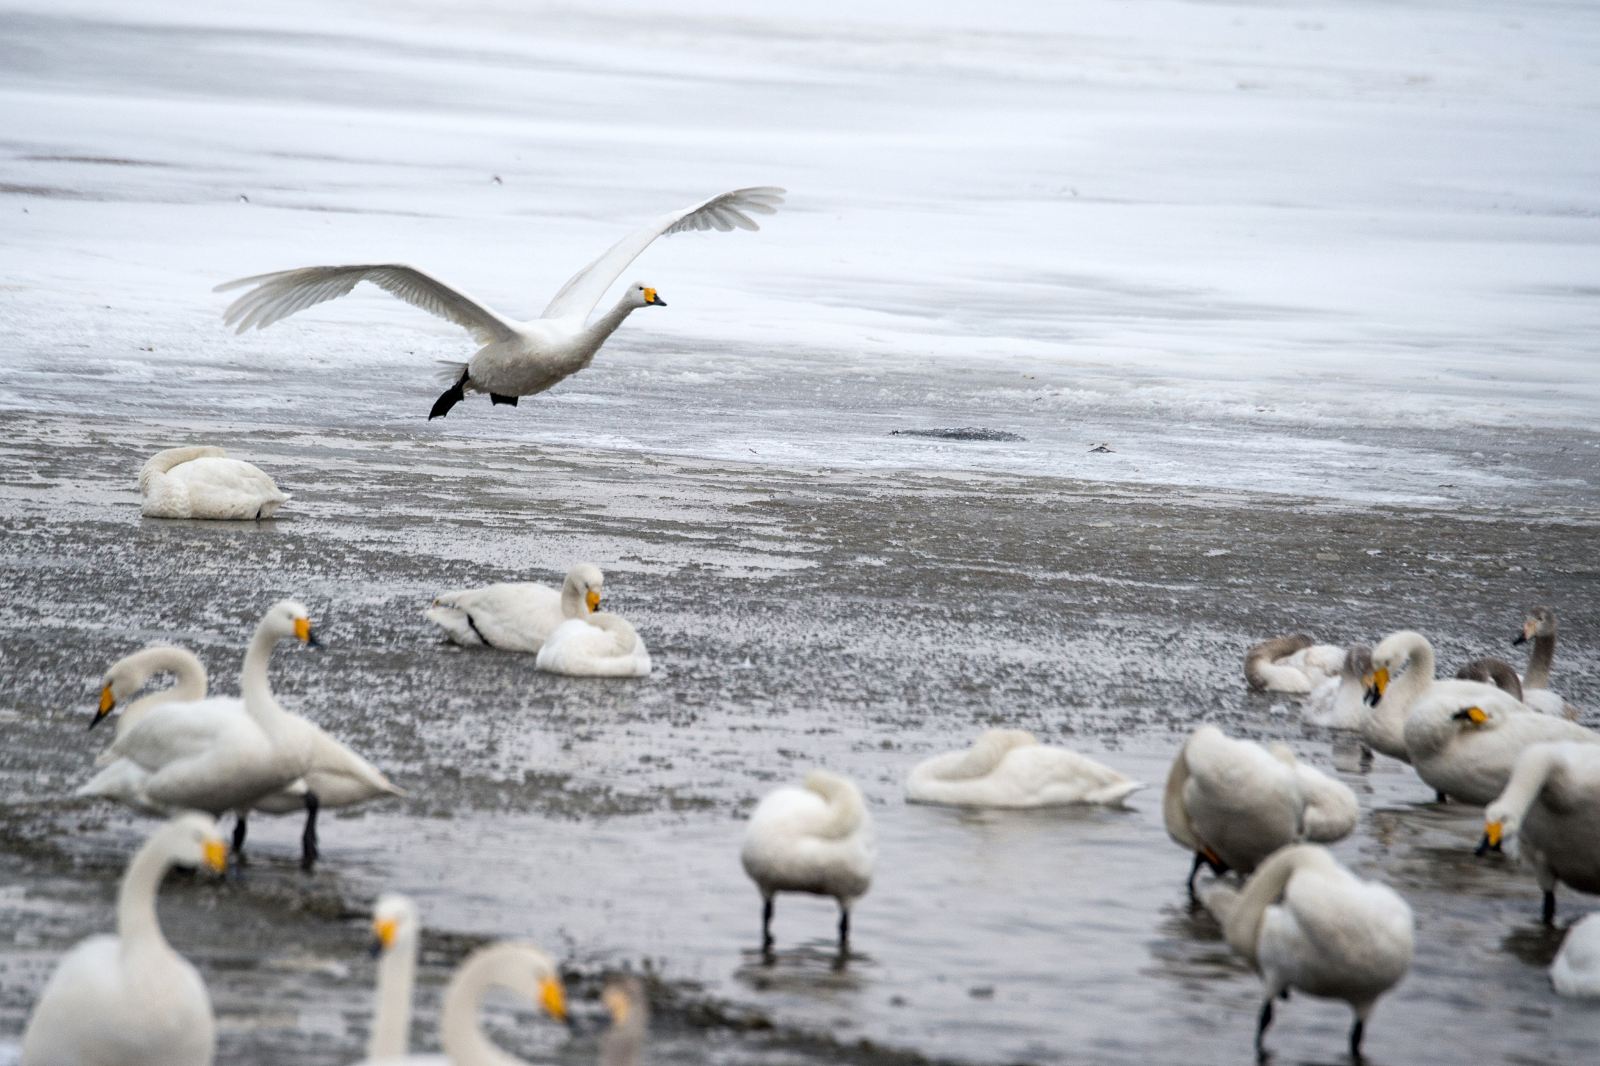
203,483
1232,802
514,358
1550,812
516,616
1304,922
1338,702
129,999
519,968
1540,627
1293,664
601,645
1465,743
1576,971
816,839
396,931
1010,768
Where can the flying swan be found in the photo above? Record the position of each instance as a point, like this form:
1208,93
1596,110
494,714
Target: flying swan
1010,768
203,482
514,358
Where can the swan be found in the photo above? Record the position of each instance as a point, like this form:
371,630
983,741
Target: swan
1304,922
1232,802
519,968
1339,702
601,645
1294,664
1550,811
1010,768
816,839
1464,745
514,358
1401,677
1540,627
128,675
1496,672
625,1001
129,999
1576,971
516,616
396,930
204,483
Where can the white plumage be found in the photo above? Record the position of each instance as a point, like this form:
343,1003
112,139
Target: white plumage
1576,969
1010,768
601,645
202,482
396,932
1549,812
516,616
1339,702
1292,664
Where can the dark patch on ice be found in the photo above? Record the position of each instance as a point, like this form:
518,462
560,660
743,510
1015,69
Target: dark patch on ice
963,433
95,160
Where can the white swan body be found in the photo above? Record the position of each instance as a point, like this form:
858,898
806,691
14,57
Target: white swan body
1550,811
516,616
1464,738
1010,768
817,839
1576,969
520,968
1306,923
1292,664
514,358
129,674
1339,702
129,999
396,932
1402,678
204,483
1232,802
601,645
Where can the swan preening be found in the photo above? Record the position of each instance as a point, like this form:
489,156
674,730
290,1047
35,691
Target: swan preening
816,839
1402,678
1010,768
1233,802
601,645
1549,812
129,999
1293,664
1576,969
1306,923
514,358
1339,702
516,616
202,482
1464,744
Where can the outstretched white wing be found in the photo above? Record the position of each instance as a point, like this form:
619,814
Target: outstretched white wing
277,296
731,210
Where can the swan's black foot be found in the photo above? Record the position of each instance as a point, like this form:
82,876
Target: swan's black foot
1264,1020
308,839
766,929
1357,1031
1440,797
449,398
495,398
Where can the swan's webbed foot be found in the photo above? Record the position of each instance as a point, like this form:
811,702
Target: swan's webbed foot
449,398
308,839
497,398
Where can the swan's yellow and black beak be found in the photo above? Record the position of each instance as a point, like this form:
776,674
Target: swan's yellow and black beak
1475,715
1493,833
107,703
1526,634
215,853
593,600
302,629
553,998
384,931
651,299
1376,683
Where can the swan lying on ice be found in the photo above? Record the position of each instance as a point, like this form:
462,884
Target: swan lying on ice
204,483
516,616
514,359
1009,768
1306,923
601,645
1550,813
1576,969
816,839
130,999
1293,664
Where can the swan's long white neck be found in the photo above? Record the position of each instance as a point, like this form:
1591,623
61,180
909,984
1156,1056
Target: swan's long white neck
391,1024
603,327
254,686
1544,652
460,1019
189,682
1242,925
137,926
1528,776
1404,690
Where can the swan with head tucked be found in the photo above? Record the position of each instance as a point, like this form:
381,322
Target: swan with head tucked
629,1007
1401,679
1233,802
1294,664
518,968
514,358
203,482
1540,627
1464,744
127,677
1576,969
1010,768
1549,812
1339,702
816,839
129,999
396,932
1306,923
601,645
516,616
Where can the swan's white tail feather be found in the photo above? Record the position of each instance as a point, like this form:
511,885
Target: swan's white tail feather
450,371
163,461
1114,794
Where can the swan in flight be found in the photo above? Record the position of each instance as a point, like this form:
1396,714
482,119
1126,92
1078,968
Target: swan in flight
1550,813
516,616
514,358
1010,768
625,1001
1576,971
1464,745
205,483
601,645
130,999
1540,627
1293,664
521,969
1304,922
1233,802
396,931
816,839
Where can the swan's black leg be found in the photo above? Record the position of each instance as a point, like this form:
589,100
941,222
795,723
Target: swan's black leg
1261,1026
308,839
1548,916
496,398
844,931
449,398
766,926
1440,797
1194,871
1357,1031
240,826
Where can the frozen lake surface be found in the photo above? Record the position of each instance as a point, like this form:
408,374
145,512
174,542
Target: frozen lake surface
1322,278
